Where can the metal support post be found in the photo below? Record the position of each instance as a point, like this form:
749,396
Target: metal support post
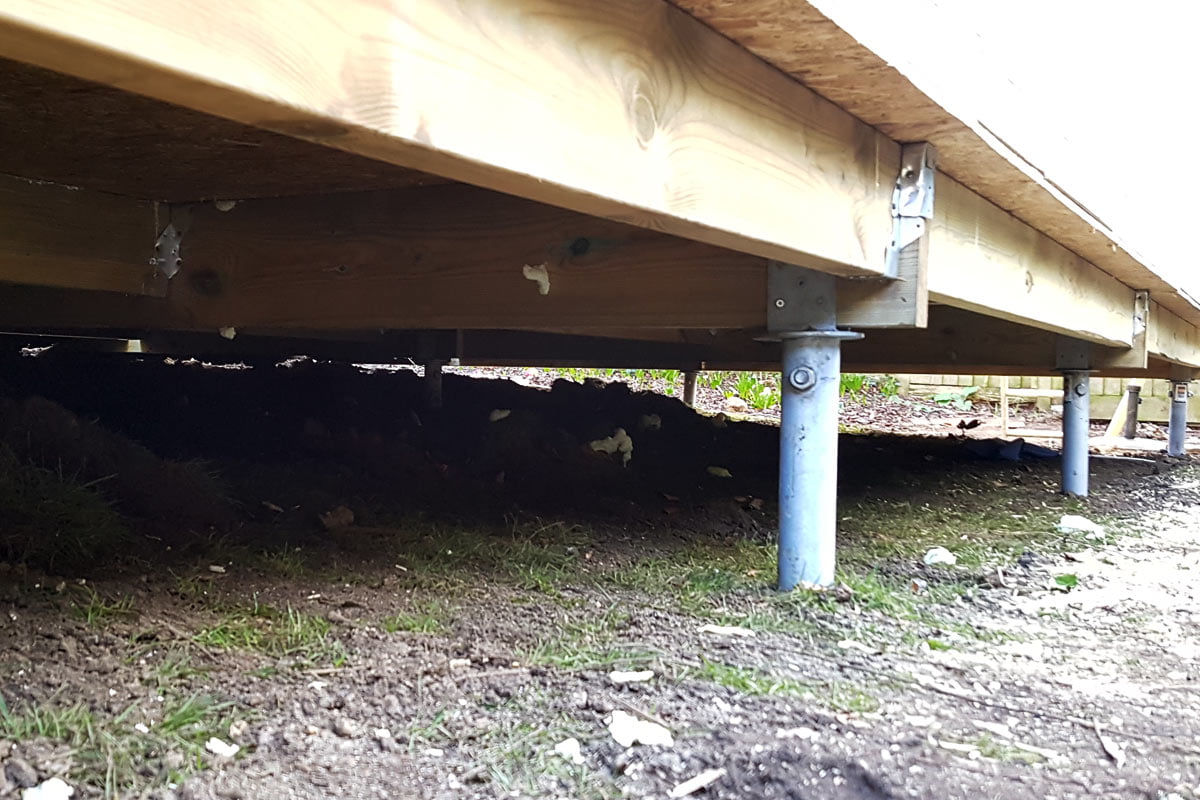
433,384
689,388
1076,421
1177,429
801,312
808,431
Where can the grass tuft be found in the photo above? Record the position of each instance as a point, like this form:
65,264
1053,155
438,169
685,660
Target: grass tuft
279,634
53,520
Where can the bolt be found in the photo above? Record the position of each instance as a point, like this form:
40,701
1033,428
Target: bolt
802,378
780,303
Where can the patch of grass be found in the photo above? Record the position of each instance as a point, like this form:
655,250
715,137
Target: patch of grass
748,681
589,642
838,695
285,562
429,616
279,634
990,747
535,555
515,753
53,520
97,612
110,753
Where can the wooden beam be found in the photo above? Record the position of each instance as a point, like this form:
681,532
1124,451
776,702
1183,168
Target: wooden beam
449,256
985,260
59,236
630,109
1172,339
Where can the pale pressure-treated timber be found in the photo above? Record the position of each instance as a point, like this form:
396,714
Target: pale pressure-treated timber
447,256
983,259
58,236
629,109
1171,338
803,39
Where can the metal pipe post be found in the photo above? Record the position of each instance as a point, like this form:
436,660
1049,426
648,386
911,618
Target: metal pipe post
1177,429
689,388
808,457
433,384
1076,420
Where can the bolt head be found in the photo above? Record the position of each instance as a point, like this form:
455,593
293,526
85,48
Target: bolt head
802,378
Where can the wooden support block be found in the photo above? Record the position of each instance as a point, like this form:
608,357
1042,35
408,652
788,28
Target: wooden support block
59,236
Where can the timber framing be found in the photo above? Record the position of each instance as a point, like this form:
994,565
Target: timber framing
541,174
451,256
630,110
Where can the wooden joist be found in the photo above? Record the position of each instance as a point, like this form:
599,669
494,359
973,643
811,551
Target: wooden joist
630,110
984,259
59,236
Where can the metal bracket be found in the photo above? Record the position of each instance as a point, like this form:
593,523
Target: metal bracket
800,299
167,258
912,201
1072,355
1141,313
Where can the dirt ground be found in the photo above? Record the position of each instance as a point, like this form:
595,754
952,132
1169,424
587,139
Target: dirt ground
369,599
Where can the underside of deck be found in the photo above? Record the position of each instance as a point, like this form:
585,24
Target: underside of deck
634,183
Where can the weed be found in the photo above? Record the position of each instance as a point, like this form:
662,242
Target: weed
957,398
852,384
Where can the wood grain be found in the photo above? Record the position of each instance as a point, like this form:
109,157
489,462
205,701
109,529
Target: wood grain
629,109
69,131
983,259
797,37
60,236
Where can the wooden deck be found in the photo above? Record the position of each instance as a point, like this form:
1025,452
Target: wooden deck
552,181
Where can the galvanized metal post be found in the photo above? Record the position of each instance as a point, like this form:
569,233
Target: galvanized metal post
689,388
1076,422
808,431
1177,429
802,314
433,384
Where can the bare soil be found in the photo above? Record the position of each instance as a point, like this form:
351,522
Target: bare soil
498,570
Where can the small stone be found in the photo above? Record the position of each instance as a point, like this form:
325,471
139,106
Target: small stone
20,773
735,403
239,730
392,707
345,728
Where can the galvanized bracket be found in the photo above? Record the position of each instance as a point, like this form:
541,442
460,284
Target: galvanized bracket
167,257
912,201
800,299
1072,355
1141,313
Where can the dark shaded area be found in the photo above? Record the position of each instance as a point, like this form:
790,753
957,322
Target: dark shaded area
190,451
